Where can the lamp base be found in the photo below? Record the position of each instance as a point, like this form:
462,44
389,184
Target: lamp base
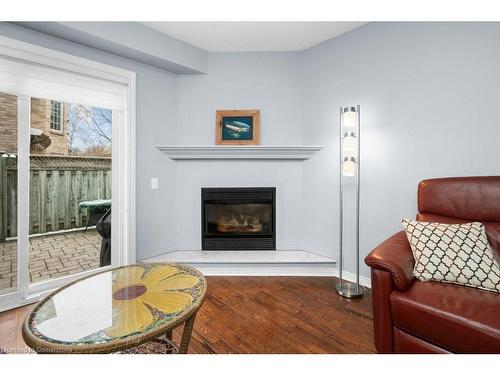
349,290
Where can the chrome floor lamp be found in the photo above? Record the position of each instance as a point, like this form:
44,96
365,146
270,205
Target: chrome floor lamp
349,146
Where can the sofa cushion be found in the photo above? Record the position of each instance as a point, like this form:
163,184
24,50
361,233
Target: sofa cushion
456,318
453,253
492,228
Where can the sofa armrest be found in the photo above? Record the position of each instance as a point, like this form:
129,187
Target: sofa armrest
394,256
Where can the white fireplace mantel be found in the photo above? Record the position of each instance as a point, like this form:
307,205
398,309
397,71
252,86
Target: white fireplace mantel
240,152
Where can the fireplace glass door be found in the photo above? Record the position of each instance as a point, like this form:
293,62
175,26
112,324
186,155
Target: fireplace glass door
238,219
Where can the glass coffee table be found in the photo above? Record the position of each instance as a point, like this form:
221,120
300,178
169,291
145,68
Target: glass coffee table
118,309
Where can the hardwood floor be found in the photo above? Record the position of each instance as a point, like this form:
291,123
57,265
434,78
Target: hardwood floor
261,315
10,330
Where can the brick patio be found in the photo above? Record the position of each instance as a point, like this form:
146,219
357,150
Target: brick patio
51,256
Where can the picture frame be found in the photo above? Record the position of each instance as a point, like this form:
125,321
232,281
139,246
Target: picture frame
237,127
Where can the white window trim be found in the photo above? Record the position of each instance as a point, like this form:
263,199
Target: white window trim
124,146
61,122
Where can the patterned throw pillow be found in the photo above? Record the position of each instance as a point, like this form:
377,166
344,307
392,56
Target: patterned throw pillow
453,253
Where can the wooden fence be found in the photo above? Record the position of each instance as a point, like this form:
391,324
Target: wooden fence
57,185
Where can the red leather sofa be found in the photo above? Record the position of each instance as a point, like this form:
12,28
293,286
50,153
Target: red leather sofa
412,316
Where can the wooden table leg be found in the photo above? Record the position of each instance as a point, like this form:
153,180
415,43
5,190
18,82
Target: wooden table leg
186,334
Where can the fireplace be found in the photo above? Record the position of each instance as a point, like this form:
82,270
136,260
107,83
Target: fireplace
238,218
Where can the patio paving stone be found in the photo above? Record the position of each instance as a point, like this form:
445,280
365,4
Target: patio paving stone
51,256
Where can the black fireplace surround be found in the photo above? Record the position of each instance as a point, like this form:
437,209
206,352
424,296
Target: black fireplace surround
238,218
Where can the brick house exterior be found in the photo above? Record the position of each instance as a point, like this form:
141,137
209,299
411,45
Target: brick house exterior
8,123
42,118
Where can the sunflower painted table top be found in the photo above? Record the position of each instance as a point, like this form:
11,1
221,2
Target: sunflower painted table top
116,308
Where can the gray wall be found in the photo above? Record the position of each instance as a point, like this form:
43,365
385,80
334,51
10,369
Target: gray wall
429,94
156,112
266,81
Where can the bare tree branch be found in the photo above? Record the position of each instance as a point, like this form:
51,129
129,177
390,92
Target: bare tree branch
89,129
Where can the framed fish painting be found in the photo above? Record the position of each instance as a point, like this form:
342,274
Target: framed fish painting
237,127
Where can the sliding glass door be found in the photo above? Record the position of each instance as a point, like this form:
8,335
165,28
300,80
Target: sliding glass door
70,186
8,193
55,192
64,182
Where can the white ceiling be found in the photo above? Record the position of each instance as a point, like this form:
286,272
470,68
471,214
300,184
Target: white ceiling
253,36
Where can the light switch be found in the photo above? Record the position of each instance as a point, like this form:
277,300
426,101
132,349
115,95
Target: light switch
154,183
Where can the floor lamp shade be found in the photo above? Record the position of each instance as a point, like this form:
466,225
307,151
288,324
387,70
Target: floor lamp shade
349,150
350,143
349,167
349,118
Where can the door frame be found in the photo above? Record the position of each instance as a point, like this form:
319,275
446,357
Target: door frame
123,186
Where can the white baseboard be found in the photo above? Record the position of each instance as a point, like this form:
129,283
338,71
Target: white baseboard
349,276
